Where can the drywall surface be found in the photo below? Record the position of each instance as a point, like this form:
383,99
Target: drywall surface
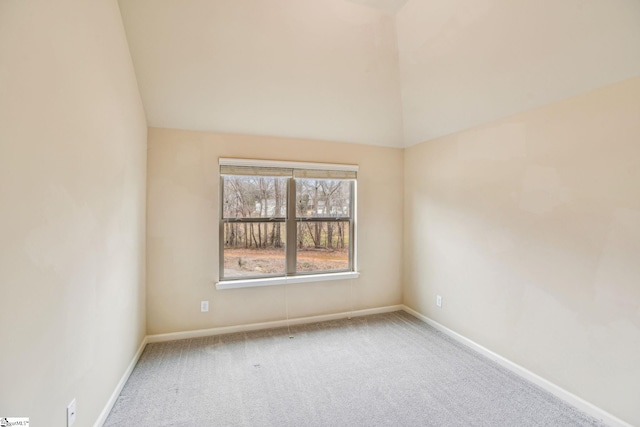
391,6
295,68
182,232
529,228
72,208
464,63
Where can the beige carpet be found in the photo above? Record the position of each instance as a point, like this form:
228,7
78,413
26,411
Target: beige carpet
382,370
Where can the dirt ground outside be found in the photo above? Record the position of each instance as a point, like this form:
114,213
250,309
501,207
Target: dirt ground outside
252,262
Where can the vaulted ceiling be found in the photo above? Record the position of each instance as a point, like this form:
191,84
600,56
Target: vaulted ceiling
381,72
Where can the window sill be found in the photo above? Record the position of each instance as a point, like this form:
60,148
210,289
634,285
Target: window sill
288,280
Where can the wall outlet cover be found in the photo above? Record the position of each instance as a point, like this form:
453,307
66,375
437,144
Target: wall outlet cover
71,413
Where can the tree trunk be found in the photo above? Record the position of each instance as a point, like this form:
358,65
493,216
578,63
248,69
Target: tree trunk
317,239
253,236
264,243
300,236
315,236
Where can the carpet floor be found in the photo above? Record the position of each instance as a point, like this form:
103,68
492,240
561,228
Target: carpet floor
382,370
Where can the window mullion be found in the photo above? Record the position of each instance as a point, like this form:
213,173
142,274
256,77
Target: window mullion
221,229
292,238
352,232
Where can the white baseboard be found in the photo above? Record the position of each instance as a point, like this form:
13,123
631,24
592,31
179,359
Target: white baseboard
546,385
268,325
123,380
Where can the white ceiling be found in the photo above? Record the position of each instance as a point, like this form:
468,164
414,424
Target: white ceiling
467,62
356,71
324,70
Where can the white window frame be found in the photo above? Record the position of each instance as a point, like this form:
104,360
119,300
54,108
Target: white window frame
297,278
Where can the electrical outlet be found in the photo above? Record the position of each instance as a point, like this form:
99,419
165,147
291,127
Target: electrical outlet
204,306
71,413
439,301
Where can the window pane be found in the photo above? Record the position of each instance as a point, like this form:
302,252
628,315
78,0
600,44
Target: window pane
323,246
254,197
321,198
254,249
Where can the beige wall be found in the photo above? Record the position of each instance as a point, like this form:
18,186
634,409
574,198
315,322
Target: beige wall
464,63
322,69
72,208
529,228
182,231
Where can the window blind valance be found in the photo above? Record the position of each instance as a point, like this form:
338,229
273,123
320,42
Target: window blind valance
255,171
250,167
324,174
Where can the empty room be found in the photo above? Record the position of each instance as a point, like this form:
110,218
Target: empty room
319,213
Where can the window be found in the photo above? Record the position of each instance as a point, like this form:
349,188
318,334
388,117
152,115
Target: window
285,220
